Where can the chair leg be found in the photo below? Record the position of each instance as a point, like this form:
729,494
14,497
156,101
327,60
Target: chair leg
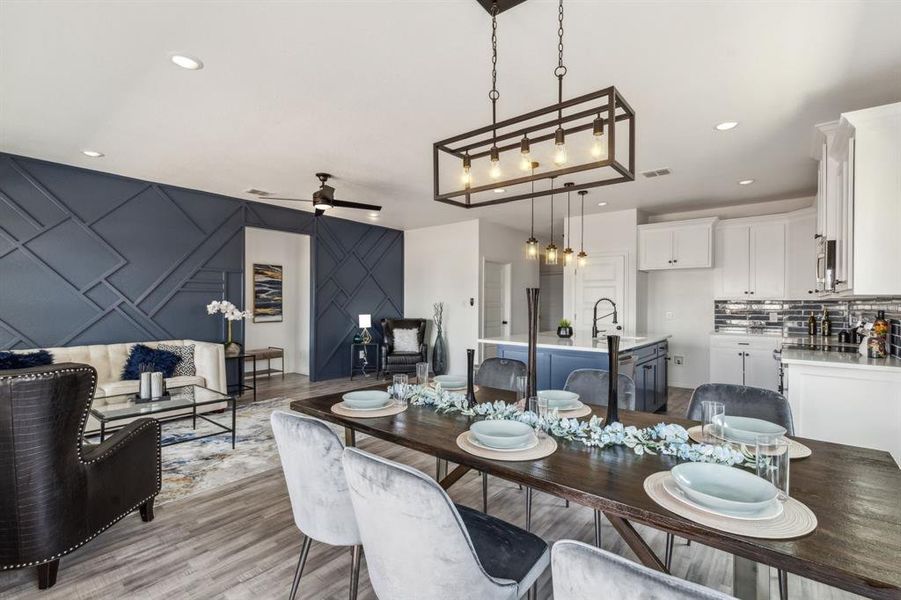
668,556
533,592
597,528
355,571
528,509
783,585
304,550
484,492
47,574
566,503
147,511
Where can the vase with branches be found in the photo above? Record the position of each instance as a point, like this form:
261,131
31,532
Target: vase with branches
231,313
439,351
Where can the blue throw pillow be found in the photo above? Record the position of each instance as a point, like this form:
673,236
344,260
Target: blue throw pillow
11,360
157,360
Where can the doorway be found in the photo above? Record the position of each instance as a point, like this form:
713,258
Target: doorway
495,302
603,277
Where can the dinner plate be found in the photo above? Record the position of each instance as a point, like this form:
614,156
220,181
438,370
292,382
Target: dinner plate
771,511
528,446
450,382
725,489
500,434
746,429
577,405
366,400
560,399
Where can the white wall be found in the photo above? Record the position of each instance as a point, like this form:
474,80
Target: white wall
507,246
441,264
292,251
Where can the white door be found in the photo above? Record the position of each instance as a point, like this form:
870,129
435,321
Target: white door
767,261
691,246
550,301
726,365
761,370
496,306
656,249
735,261
603,277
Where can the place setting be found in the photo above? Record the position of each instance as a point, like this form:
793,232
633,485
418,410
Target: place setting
367,404
510,440
566,403
717,427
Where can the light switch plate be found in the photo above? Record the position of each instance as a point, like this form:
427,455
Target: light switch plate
678,359
669,315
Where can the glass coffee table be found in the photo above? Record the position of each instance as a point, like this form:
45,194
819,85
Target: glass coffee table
128,406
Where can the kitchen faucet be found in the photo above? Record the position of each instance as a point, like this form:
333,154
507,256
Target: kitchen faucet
594,322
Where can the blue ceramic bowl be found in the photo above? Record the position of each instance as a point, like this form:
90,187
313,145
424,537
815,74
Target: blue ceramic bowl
502,434
366,399
724,489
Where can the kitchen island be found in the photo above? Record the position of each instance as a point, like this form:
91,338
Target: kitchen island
641,357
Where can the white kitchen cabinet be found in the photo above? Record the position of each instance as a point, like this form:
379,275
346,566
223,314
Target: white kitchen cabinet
744,360
761,369
726,366
751,259
676,245
801,255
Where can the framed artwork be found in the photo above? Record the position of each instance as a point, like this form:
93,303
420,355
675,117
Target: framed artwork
267,293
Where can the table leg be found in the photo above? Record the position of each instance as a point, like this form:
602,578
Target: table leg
750,579
234,421
440,469
102,431
350,437
194,417
636,543
254,380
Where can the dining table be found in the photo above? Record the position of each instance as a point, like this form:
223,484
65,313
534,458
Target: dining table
854,492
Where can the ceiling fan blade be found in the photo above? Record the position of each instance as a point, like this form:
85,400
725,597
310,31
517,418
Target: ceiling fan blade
291,199
343,204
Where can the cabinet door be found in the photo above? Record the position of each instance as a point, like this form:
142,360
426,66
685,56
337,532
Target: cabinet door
735,262
656,251
801,258
767,270
692,246
761,370
644,386
660,382
726,365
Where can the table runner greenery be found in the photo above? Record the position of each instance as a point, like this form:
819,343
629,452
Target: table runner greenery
664,438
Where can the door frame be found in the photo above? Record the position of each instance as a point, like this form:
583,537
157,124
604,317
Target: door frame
570,303
507,271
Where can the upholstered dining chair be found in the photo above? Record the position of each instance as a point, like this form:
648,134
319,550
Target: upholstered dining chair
56,492
420,545
395,360
583,572
310,454
740,401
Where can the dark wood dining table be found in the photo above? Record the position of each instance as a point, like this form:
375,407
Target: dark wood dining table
854,492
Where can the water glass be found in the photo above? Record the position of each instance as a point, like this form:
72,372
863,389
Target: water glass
539,406
422,373
773,462
713,415
399,388
521,387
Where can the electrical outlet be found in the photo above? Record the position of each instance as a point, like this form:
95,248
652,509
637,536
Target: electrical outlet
774,317
669,315
678,359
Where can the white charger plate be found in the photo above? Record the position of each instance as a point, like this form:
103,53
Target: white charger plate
475,442
387,403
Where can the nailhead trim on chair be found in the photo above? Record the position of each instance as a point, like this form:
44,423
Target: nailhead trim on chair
79,447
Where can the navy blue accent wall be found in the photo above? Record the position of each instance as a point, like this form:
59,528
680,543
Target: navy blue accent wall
91,258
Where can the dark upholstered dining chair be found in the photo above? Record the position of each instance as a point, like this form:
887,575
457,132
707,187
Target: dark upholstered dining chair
57,492
593,387
402,362
500,373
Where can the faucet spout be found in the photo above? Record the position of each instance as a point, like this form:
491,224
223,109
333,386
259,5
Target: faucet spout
594,322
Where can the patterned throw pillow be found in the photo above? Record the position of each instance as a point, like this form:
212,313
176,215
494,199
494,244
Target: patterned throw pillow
186,367
406,340
157,360
13,360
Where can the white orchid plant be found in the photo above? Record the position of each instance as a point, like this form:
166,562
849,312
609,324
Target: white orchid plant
230,312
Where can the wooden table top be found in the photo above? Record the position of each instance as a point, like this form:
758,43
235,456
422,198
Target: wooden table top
854,492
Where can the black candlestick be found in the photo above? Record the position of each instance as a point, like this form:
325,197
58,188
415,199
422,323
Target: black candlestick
470,376
613,386
532,361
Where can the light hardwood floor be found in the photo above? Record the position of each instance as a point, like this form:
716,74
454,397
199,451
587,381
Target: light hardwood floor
239,541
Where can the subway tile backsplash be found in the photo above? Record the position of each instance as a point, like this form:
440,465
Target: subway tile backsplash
789,317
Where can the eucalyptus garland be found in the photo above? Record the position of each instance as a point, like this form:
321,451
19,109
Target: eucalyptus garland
664,438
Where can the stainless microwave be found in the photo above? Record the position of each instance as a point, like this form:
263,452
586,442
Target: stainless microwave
825,264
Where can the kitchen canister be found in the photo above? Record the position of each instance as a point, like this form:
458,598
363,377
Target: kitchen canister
156,384
144,389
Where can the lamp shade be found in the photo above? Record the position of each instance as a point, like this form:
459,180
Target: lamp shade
365,321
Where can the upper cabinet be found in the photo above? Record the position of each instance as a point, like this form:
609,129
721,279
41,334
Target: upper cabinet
859,200
751,259
676,245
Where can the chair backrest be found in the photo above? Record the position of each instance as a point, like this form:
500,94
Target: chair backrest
389,325
593,385
311,460
583,572
415,541
743,401
500,373
44,495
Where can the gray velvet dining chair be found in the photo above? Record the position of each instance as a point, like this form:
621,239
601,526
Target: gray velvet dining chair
501,374
310,454
419,544
740,401
583,572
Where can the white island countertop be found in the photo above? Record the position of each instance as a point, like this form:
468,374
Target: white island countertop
820,358
580,341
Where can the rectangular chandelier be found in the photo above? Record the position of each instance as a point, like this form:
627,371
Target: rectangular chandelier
597,149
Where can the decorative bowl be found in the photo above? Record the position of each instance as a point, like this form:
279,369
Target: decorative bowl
560,399
745,429
502,434
366,399
450,382
725,489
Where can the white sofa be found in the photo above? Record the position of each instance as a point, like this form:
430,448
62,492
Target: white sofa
109,360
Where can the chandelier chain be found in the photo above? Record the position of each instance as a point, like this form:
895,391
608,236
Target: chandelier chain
560,37
494,94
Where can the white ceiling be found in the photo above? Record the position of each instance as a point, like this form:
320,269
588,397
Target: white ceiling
362,90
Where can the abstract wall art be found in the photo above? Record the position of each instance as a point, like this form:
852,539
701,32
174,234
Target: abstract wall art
267,293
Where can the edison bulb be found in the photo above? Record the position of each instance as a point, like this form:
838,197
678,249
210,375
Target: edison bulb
466,178
532,249
568,257
560,155
583,259
598,147
495,170
525,162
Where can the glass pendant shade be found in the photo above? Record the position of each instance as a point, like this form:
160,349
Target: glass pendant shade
495,170
568,256
598,143
467,171
532,248
550,254
525,162
559,147
582,259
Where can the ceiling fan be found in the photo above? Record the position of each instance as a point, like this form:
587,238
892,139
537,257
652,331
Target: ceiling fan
324,198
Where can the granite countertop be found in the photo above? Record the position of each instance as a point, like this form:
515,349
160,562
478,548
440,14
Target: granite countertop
580,341
821,358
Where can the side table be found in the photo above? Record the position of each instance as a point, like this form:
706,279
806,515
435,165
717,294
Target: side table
361,363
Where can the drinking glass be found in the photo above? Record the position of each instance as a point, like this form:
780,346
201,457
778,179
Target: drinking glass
521,386
539,406
399,388
422,373
713,414
773,462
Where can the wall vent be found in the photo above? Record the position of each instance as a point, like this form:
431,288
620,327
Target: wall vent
656,172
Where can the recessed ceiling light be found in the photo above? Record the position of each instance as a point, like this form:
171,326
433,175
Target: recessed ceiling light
92,153
373,215
187,62
499,190
746,182
726,125
602,204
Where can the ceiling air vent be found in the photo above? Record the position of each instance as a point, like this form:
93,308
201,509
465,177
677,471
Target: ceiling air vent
256,192
656,172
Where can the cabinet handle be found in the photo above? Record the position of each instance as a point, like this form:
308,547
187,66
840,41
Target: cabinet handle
741,353
670,262
675,260
751,293
809,291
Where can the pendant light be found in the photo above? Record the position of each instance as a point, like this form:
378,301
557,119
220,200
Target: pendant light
560,71
494,155
598,144
532,250
550,253
582,256
568,251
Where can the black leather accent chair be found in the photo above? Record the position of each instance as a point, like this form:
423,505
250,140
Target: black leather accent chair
402,362
58,492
